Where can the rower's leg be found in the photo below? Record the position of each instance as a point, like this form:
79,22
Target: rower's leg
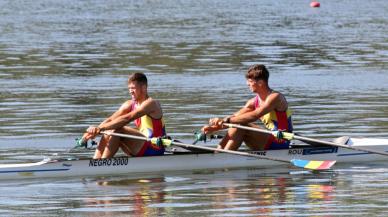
109,145
131,146
126,150
111,148
235,138
256,140
223,142
101,147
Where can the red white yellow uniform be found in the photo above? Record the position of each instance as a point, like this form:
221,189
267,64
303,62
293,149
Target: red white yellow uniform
150,127
276,121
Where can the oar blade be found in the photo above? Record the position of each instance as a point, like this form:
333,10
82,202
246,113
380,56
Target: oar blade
313,164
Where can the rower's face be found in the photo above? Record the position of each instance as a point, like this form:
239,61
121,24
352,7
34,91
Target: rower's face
252,84
136,90
255,85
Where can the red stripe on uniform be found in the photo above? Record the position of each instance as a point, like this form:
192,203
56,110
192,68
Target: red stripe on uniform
143,149
282,120
138,122
256,102
157,127
270,140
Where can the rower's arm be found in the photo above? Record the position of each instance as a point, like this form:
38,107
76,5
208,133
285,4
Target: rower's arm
92,131
124,109
269,105
146,108
215,124
249,106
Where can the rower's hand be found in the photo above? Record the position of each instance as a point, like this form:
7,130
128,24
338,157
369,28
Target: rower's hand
208,129
216,122
85,138
93,131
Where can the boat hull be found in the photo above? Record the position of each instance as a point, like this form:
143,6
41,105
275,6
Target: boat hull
189,161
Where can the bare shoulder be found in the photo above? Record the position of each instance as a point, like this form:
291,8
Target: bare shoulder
280,100
276,95
152,102
153,108
126,106
151,105
250,103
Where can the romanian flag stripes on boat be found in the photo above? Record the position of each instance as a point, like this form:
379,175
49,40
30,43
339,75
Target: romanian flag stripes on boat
313,165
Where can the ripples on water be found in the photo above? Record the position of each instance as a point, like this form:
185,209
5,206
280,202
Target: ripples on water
64,64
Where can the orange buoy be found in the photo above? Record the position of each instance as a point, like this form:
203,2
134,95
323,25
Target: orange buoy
315,4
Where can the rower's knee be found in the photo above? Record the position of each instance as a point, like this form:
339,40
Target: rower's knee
233,131
232,145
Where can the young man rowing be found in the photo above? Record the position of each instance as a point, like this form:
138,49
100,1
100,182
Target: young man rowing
268,105
144,111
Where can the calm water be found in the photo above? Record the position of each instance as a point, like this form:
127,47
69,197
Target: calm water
64,64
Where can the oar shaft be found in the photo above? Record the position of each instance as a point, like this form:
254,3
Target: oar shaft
290,136
143,138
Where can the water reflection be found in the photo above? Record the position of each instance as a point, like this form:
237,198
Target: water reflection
222,193
134,201
237,192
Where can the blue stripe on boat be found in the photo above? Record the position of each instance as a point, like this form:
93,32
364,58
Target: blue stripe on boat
352,154
33,171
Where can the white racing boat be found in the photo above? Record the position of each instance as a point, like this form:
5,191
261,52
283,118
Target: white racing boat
185,161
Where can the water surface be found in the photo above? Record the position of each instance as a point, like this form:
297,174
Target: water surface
64,65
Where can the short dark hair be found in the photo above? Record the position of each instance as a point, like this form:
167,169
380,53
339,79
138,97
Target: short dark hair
138,77
257,72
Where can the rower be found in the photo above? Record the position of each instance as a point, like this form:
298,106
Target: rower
144,111
270,106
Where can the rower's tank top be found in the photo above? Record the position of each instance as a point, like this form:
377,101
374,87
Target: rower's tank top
149,126
276,120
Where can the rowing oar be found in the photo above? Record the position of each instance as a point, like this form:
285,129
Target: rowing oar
290,136
306,164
